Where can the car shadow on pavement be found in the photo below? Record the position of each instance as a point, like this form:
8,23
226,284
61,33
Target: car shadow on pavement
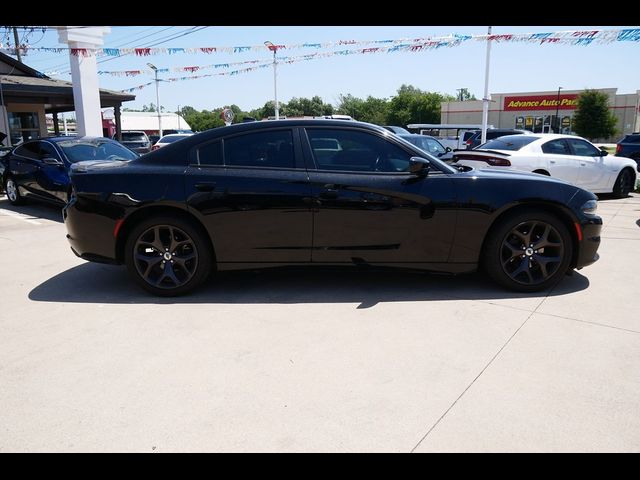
96,283
39,210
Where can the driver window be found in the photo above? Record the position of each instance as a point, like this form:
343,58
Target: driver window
582,148
48,151
355,151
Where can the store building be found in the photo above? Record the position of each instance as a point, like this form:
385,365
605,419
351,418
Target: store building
543,112
26,96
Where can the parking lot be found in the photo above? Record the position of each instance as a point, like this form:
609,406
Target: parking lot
307,360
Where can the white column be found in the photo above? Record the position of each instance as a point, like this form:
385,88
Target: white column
84,77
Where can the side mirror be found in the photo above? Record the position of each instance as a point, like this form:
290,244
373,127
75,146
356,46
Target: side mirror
448,149
419,166
603,152
51,161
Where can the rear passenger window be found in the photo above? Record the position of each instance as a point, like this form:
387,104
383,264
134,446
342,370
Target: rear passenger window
210,153
351,150
29,150
261,149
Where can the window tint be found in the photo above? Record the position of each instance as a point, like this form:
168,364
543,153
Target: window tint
261,149
510,142
559,147
134,137
210,153
95,149
631,139
358,151
48,151
582,148
29,150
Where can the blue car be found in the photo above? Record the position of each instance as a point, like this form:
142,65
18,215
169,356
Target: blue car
40,168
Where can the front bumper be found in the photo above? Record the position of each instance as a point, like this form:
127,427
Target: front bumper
588,246
89,232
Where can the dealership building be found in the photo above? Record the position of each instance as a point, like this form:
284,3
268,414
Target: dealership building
543,112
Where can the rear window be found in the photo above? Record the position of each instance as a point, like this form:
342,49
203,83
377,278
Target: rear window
631,139
511,142
172,138
133,137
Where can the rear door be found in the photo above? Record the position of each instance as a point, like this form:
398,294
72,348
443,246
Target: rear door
24,164
253,192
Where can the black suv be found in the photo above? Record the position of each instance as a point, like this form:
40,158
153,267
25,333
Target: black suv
476,138
136,141
629,147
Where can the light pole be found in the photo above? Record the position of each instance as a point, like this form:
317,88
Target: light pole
178,117
155,69
558,111
274,49
486,99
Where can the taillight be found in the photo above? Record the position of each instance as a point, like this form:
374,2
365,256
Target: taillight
618,148
497,162
493,161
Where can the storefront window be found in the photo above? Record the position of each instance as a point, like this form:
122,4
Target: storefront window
23,126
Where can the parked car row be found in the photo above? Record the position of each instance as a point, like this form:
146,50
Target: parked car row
140,142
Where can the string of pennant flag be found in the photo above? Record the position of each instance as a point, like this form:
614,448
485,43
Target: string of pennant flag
570,37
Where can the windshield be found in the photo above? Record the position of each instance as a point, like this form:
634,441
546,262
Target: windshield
434,160
510,142
172,138
427,144
98,149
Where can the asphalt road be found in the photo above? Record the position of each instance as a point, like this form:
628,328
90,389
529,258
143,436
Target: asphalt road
306,360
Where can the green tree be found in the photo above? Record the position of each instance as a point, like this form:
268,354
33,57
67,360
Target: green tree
412,105
593,119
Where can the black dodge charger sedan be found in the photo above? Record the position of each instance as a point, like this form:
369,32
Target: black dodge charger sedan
323,192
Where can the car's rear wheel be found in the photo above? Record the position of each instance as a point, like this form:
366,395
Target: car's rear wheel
13,193
168,256
528,251
624,183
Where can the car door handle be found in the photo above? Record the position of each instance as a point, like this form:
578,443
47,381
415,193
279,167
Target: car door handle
583,164
552,161
329,192
205,186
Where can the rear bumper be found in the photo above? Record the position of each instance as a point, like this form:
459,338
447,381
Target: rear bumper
588,246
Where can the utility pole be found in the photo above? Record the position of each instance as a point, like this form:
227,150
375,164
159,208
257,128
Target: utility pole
17,42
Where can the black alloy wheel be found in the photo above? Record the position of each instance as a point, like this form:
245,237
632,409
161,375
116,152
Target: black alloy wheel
528,252
167,256
624,183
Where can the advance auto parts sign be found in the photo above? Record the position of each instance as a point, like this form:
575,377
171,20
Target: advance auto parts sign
542,102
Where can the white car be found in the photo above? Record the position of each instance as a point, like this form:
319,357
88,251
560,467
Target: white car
167,139
566,157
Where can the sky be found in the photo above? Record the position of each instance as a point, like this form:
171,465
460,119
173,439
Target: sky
517,67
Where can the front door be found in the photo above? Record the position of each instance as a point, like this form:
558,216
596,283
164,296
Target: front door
253,194
368,208
592,173
559,160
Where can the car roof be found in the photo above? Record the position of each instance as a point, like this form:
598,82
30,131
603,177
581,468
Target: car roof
72,138
411,135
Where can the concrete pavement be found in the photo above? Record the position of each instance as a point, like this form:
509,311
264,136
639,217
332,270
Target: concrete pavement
315,360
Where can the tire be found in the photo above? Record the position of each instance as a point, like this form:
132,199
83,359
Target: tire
527,251
156,268
13,193
542,172
624,183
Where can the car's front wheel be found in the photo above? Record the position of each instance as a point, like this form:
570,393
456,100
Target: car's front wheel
13,193
168,256
528,251
624,183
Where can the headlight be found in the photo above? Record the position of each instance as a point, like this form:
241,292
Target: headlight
590,207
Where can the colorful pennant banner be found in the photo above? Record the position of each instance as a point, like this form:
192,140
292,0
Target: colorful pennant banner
573,37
